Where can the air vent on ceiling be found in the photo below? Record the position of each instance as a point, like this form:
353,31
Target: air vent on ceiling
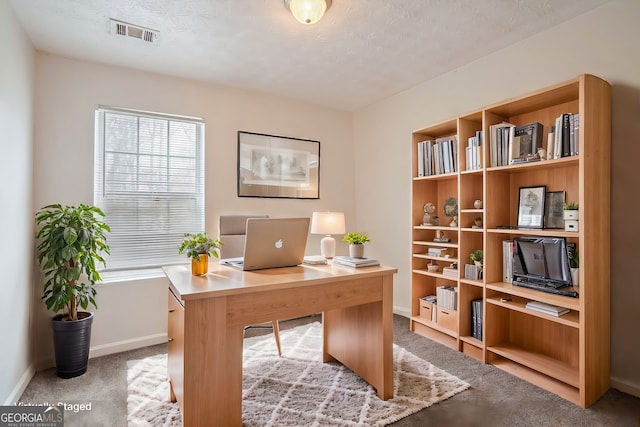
119,28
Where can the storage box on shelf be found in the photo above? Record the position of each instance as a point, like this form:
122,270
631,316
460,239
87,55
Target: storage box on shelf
568,354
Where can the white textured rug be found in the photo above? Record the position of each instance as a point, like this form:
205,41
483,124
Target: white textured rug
297,389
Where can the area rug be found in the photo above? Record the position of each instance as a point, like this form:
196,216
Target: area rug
297,389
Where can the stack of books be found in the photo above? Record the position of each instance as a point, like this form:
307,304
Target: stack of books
355,262
440,252
447,297
551,310
437,157
451,272
473,152
510,144
564,142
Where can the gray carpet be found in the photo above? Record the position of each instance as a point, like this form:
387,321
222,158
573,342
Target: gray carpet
494,399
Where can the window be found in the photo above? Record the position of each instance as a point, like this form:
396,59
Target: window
149,181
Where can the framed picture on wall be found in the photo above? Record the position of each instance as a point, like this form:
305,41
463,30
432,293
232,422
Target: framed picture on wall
531,201
278,166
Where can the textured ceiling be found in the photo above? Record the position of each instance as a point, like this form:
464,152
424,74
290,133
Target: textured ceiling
362,51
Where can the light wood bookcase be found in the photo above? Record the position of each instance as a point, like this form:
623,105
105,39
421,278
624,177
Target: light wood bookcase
567,355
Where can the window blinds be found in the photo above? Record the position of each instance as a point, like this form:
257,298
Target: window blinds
149,181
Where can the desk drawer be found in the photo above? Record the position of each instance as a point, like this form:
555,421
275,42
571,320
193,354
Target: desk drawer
448,318
175,349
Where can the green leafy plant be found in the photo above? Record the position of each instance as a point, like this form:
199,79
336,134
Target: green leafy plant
477,256
72,239
356,238
198,244
570,206
574,260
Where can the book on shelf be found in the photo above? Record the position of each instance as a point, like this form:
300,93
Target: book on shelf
447,297
498,150
450,272
355,262
440,252
507,261
473,152
476,318
566,135
541,307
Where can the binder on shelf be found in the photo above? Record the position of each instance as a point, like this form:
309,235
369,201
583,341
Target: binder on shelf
476,318
507,261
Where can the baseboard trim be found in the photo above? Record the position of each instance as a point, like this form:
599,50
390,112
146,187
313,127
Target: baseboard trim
126,345
402,311
625,386
21,386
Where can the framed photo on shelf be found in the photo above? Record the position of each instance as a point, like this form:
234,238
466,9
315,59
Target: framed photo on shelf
531,201
553,209
530,139
278,166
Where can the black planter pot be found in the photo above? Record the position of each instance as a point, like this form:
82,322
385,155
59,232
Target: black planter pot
71,341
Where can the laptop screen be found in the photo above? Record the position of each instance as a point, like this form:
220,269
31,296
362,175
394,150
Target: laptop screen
274,242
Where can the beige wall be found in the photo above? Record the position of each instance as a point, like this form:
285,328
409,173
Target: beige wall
132,314
602,42
16,225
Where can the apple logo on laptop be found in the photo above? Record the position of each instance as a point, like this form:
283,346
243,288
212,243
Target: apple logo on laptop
279,244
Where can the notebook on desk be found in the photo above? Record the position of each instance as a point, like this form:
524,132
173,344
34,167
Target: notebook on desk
272,242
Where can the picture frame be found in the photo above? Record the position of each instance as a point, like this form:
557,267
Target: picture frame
531,202
553,209
277,166
529,139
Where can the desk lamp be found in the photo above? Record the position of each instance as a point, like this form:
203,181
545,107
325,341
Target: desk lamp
327,223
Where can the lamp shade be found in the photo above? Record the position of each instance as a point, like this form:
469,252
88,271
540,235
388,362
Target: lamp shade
308,11
327,223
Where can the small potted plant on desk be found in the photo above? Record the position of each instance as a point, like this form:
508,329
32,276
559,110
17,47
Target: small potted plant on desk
199,247
356,243
71,241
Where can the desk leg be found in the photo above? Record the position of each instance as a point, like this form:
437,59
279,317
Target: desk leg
361,338
212,366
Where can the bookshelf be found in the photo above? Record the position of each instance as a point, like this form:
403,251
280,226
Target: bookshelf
568,355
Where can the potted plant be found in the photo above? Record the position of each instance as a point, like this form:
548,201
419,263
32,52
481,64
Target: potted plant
570,210
71,241
477,257
574,264
356,243
199,247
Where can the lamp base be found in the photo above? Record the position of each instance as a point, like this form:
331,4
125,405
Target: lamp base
328,247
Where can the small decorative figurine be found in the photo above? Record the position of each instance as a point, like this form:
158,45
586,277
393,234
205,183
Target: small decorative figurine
429,209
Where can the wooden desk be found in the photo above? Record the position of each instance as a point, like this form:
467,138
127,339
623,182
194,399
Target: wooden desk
207,315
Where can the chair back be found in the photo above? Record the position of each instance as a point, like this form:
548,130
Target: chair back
232,229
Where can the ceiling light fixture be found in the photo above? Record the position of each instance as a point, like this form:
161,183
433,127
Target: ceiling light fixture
307,11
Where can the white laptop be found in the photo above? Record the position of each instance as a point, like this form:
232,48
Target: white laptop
272,242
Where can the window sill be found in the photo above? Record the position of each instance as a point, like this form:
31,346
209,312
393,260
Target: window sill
131,275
